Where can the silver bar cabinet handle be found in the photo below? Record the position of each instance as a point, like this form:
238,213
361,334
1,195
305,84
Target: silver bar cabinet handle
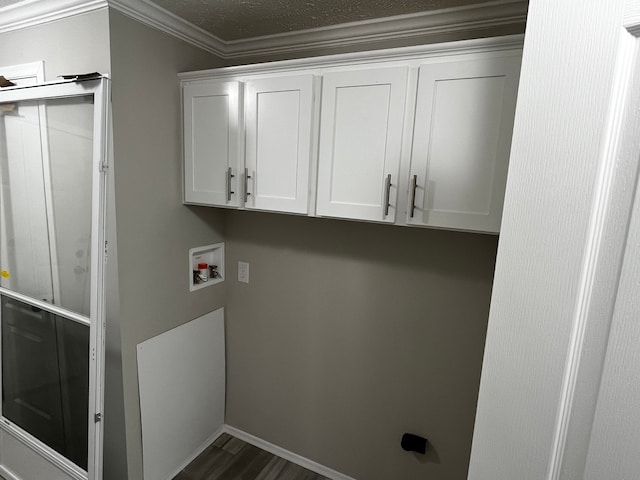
387,192
246,184
229,191
414,185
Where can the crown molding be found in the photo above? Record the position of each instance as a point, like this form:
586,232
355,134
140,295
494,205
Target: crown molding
424,24
157,17
36,12
456,20
506,45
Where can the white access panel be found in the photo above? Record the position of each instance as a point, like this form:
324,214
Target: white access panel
461,143
182,391
212,143
360,143
278,115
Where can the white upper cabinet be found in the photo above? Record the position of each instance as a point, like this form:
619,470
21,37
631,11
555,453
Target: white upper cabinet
278,119
461,143
360,143
415,136
212,143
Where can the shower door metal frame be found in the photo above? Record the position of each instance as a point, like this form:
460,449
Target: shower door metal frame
100,90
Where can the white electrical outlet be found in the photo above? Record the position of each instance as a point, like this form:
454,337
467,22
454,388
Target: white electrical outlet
243,272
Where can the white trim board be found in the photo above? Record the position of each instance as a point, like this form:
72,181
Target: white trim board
457,20
29,13
198,451
283,453
26,73
267,447
507,45
39,455
8,474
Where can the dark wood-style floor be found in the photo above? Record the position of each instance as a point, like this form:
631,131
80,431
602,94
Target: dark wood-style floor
231,459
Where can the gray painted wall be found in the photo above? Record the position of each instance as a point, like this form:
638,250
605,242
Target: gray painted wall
73,45
155,231
115,440
347,336
350,334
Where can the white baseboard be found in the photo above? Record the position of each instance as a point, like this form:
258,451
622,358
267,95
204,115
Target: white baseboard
193,456
246,437
286,454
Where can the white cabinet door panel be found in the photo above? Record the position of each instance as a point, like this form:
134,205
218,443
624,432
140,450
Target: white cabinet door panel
278,114
462,138
211,143
360,143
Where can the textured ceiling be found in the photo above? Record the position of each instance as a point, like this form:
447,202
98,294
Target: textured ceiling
236,19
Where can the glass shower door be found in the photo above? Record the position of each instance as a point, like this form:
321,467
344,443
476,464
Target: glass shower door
24,246
52,177
45,373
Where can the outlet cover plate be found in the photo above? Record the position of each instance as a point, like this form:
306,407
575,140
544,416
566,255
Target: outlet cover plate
243,272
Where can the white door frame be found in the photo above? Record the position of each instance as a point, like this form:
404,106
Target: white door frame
101,91
572,180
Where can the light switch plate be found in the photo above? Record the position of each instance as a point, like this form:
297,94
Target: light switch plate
243,272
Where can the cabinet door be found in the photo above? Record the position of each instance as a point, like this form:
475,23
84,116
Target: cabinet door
360,143
211,143
278,114
461,143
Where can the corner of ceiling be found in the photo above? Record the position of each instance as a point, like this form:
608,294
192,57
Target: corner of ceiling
157,17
